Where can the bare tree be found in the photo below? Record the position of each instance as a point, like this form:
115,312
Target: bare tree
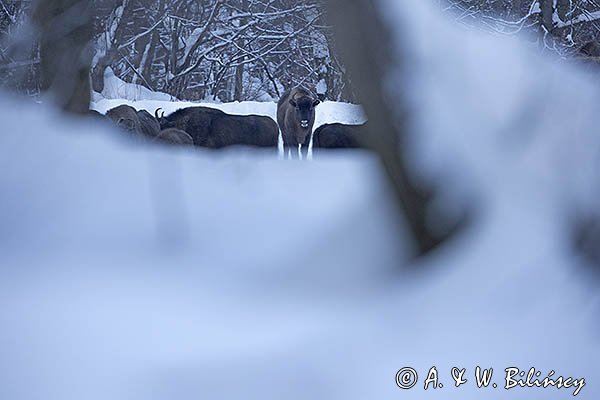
566,26
19,53
225,49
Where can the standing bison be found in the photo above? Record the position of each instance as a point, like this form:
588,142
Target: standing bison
215,129
338,136
296,117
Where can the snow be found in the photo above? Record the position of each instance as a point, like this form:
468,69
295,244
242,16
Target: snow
321,87
512,134
143,272
583,17
117,91
116,88
191,41
128,270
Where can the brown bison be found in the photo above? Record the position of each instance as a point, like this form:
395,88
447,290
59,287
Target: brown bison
338,136
174,136
149,126
125,117
215,129
141,123
296,117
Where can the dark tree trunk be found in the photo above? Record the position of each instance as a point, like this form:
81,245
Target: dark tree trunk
562,9
99,69
146,69
112,54
65,33
239,69
547,7
365,46
239,83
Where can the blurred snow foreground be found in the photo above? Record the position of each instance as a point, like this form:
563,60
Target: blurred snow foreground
148,273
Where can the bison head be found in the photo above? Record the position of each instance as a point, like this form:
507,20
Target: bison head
305,110
127,123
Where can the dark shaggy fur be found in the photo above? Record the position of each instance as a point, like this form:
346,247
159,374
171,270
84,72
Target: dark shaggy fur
215,129
296,117
338,136
149,126
141,123
175,136
126,118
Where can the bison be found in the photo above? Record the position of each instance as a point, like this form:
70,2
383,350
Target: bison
250,130
149,126
125,117
174,136
338,136
216,129
296,117
141,123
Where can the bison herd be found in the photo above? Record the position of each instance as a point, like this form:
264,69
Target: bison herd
215,129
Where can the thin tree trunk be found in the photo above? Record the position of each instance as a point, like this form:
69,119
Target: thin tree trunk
97,74
239,83
563,7
547,7
239,69
146,68
144,59
115,33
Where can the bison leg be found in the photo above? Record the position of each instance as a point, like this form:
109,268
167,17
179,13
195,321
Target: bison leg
305,147
304,151
298,152
290,151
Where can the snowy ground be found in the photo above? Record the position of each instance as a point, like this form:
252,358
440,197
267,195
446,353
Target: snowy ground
132,272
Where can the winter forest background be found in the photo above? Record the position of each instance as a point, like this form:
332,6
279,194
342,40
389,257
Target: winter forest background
205,50
236,50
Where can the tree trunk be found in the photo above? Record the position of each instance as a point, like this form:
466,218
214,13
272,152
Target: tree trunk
239,83
65,33
563,9
99,69
365,47
112,53
547,7
146,69
239,69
